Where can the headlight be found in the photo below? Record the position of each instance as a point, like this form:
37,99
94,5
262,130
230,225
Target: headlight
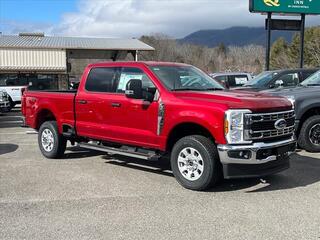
292,100
234,126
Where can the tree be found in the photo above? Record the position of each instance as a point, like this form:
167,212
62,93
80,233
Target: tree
279,54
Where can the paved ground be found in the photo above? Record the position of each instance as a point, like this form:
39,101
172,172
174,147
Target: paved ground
90,196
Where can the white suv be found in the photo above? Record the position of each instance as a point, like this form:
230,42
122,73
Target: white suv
13,84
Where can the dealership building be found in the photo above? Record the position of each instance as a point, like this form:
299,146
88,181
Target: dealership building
51,62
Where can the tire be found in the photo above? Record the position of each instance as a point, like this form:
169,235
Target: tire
12,103
51,143
198,148
311,125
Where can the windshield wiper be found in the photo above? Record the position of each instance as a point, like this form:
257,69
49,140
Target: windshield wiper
212,89
197,89
313,84
185,89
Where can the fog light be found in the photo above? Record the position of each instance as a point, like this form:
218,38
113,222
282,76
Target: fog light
241,154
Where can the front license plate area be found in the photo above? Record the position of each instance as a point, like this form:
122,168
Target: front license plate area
282,152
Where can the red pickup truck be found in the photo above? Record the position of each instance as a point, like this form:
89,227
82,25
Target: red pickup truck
151,109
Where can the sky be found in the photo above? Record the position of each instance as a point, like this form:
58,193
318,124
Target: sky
126,18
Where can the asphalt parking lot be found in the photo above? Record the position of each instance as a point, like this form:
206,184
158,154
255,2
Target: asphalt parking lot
88,195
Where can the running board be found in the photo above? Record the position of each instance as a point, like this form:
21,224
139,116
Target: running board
151,156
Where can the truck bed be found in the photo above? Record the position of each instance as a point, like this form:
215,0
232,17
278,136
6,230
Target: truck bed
55,105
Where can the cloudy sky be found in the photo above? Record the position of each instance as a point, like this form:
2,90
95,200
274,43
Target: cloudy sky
126,18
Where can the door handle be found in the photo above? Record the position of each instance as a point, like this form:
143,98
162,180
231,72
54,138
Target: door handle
82,101
115,104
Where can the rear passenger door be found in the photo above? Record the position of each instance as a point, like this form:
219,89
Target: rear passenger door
93,105
103,112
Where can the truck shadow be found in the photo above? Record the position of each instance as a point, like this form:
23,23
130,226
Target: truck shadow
76,152
161,167
8,148
304,171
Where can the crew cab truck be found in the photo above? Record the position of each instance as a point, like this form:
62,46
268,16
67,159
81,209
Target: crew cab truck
152,109
306,99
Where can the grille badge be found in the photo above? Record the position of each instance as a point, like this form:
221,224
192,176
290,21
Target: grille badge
280,124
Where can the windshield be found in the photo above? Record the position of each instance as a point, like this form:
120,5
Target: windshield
313,80
177,78
262,79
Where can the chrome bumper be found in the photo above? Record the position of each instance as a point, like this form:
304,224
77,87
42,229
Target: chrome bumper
4,104
224,152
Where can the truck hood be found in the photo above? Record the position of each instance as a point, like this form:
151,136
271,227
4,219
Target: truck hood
235,99
300,93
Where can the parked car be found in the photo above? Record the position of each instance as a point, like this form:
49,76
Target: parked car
4,102
232,79
277,79
149,110
14,84
307,104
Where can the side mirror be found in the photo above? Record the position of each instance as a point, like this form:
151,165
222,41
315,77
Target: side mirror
134,89
279,83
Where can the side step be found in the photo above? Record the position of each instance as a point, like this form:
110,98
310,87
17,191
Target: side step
151,156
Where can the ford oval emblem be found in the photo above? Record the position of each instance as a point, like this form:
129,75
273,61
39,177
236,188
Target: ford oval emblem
280,124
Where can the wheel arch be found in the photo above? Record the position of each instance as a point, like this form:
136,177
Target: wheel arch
312,111
184,129
44,115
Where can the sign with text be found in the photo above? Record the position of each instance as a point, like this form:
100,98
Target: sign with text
286,6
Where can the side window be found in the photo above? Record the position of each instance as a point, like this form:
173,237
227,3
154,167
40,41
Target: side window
102,79
237,80
306,74
221,78
133,73
288,80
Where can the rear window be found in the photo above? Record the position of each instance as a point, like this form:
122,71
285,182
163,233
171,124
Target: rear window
237,80
102,80
221,78
13,80
306,74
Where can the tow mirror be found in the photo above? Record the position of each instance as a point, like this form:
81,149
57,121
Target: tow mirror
279,83
134,89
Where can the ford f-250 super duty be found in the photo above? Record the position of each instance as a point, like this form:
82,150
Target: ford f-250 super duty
150,109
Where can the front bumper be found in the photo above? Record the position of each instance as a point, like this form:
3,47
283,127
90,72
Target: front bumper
257,159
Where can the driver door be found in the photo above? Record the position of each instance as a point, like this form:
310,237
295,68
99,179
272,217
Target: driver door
134,120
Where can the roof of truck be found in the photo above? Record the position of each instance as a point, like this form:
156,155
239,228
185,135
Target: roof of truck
148,63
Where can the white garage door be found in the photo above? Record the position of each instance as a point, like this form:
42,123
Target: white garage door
33,59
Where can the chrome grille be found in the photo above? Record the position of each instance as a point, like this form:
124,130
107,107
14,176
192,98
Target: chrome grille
261,126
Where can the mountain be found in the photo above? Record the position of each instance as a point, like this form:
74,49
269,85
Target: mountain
234,36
